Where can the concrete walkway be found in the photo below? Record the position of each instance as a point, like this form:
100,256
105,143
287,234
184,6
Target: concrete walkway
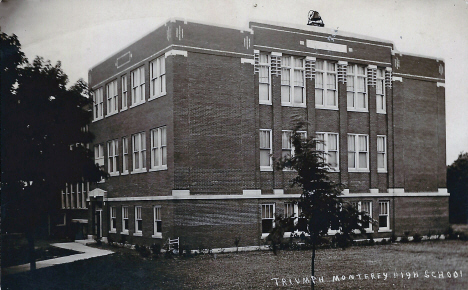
85,253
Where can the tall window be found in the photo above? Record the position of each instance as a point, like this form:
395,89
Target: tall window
265,150
78,195
328,145
139,151
384,218
138,86
99,154
112,98
381,153
113,219
124,155
268,217
125,219
112,156
98,104
158,148
292,81
326,91
290,213
358,152
138,220
356,88
365,206
380,92
124,92
286,141
264,79
157,222
158,77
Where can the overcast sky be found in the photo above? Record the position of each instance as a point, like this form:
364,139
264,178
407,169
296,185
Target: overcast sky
81,33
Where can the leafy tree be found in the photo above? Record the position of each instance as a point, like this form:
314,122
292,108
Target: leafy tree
320,201
43,140
457,185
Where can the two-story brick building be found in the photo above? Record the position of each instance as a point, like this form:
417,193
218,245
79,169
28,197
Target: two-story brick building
188,118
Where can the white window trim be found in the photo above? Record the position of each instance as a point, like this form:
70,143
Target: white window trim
156,234
384,169
159,79
387,228
264,235
291,85
304,133
268,65
270,167
113,214
138,231
125,158
124,231
325,150
135,87
356,156
355,91
98,105
112,98
359,205
381,79
140,150
124,83
157,149
99,157
296,220
325,89
114,144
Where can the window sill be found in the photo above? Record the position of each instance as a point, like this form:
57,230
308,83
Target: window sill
124,173
112,231
111,114
358,171
358,110
384,231
266,168
294,105
157,97
102,181
95,120
114,173
382,171
139,171
123,109
158,168
139,234
288,234
124,233
264,103
264,235
381,112
137,104
289,170
332,170
328,108
157,236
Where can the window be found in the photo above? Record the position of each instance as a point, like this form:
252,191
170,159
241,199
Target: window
158,148
356,88
124,219
138,86
365,206
265,150
381,153
99,154
384,218
113,219
158,77
328,145
112,98
125,155
286,141
124,92
268,217
290,210
358,152
380,92
78,195
138,221
98,106
139,152
326,95
112,154
264,79
157,222
292,81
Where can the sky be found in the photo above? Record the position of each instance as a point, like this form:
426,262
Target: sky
81,33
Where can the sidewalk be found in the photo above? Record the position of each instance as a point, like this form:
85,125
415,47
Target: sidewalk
85,253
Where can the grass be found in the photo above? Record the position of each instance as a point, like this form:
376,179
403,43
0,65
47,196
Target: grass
255,270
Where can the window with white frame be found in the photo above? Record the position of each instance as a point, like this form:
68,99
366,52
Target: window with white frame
112,98
380,92
139,151
327,143
72,196
113,219
381,153
138,85
268,217
112,156
138,220
356,88
99,154
264,79
125,219
326,90
157,222
158,77
358,152
124,155
290,213
366,207
384,217
124,92
286,141
265,149
292,81
98,104
158,148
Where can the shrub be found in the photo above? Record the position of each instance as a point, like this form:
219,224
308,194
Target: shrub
370,238
123,240
236,242
384,242
156,250
417,238
405,239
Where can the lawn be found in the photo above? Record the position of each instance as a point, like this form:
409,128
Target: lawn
376,267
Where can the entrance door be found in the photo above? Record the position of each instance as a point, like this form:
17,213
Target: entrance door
98,223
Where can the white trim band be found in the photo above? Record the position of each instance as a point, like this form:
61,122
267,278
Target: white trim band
248,60
175,52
